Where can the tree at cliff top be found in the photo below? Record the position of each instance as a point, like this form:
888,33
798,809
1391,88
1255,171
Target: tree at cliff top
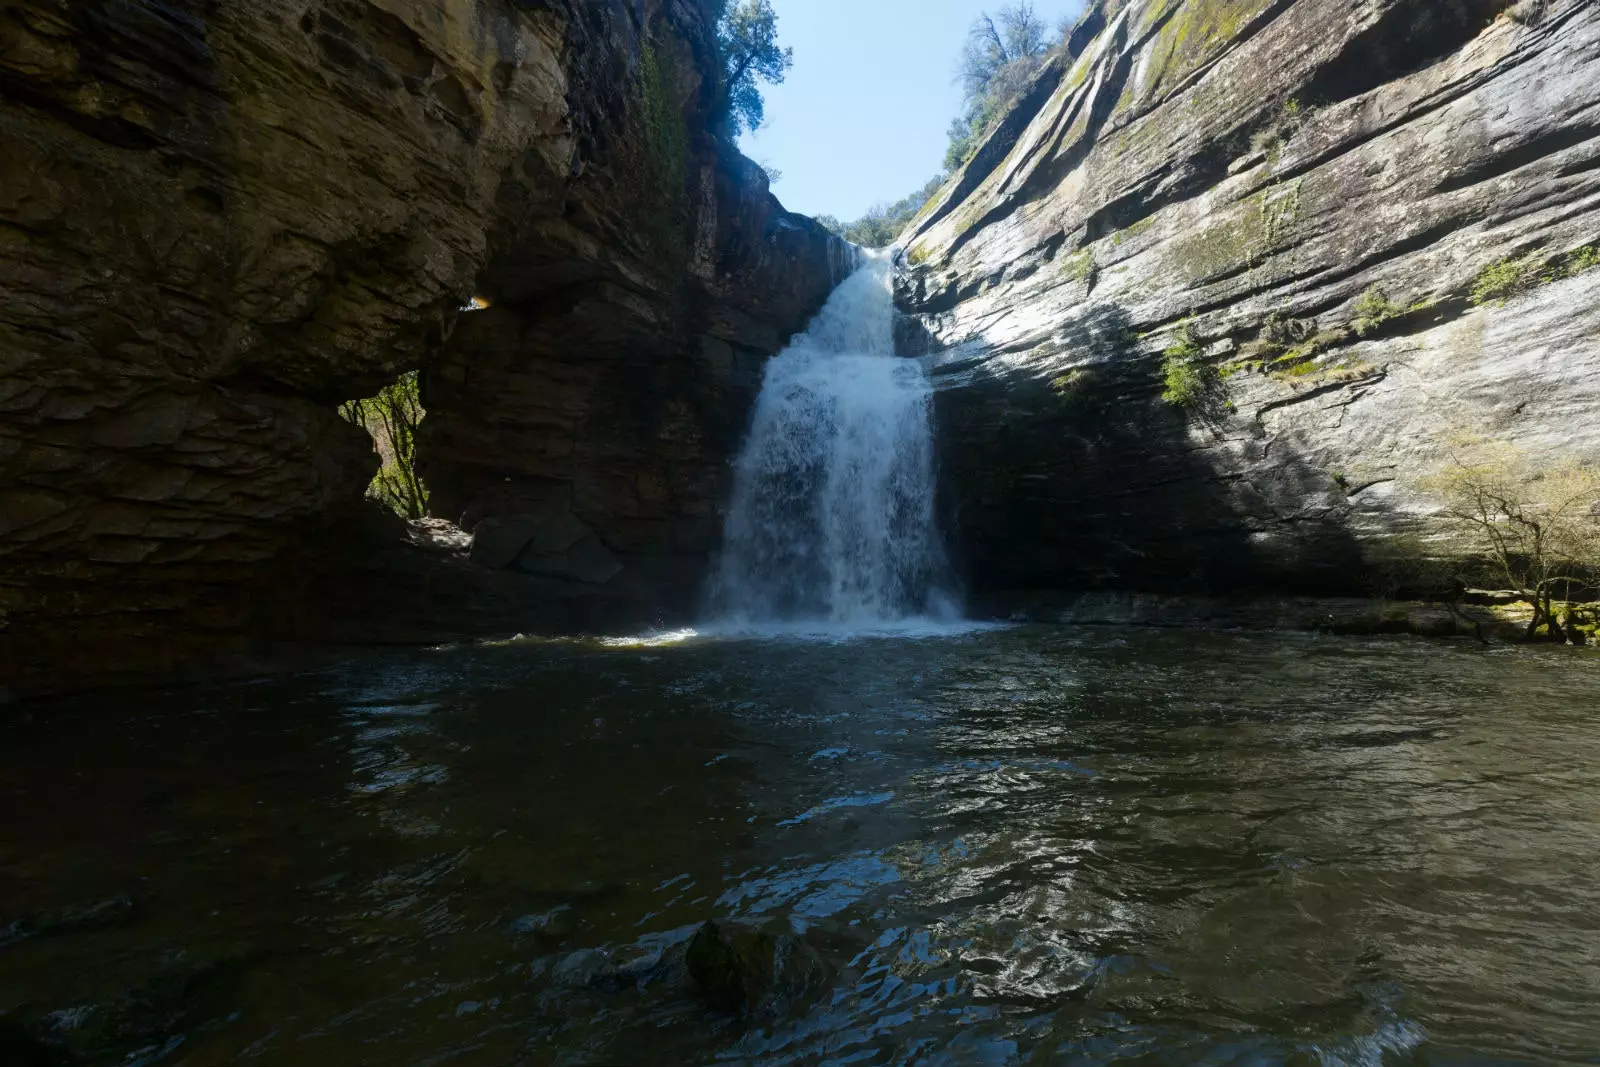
1538,528
883,222
1002,52
748,35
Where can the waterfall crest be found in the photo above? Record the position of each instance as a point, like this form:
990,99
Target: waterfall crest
832,516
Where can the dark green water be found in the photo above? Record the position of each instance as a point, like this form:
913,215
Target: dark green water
1025,846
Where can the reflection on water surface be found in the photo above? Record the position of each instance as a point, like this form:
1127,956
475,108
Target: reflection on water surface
1017,846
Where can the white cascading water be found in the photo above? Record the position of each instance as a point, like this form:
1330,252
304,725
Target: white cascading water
832,517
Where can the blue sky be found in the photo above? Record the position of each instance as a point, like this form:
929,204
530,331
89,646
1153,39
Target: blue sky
862,117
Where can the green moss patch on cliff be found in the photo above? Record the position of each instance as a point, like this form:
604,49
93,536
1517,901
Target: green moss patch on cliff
658,167
1193,36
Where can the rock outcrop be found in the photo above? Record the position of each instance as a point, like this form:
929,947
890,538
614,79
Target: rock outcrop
218,221
1300,198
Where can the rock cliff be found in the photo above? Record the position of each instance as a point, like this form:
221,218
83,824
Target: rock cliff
218,221
1302,198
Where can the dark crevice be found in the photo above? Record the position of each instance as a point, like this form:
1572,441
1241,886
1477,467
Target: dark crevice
1319,391
1582,166
1201,172
1408,37
1417,242
1558,140
1092,25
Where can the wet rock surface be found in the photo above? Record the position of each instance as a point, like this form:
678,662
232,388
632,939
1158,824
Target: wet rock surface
219,221
750,970
1247,175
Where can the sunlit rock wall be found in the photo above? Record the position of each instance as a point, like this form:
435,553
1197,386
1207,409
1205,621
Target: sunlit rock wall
1247,171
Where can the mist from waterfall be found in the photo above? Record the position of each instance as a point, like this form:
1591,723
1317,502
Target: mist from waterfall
831,523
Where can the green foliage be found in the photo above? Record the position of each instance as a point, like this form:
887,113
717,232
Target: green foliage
1002,53
665,128
1188,380
1373,308
879,227
392,418
1580,260
1538,527
747,34
1504,279
1073,388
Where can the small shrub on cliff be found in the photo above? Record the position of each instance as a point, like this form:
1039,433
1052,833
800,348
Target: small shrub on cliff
1526,12
1290,119
1187,378
1504,279
392,418
1372,309
1538,528
1580,260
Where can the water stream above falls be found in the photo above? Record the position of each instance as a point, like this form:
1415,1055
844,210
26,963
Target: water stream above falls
1013,847
831,524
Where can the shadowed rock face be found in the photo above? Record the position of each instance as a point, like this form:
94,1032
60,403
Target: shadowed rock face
217,221
1250,170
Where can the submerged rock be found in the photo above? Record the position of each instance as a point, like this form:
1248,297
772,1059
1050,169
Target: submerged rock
18,1048
98,915
745,970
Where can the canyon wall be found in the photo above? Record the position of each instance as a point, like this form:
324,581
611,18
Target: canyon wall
1309,199
218,221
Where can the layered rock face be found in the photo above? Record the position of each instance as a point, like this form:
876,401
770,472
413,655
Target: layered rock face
217,221
1302,196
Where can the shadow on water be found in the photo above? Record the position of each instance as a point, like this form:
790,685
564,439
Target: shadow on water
1011,846
1062,468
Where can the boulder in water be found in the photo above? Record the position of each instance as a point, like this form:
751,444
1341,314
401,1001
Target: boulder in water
745,970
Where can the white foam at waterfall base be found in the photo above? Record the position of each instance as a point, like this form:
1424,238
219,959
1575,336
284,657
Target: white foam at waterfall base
831,525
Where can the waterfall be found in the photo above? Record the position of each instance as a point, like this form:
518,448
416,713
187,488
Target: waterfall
832,516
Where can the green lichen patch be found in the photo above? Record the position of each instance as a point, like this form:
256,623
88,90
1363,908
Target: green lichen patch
1196,33
1074,388
1218,248
1128,233
1302,362
1081,267
657,158
1277,215
1582,259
